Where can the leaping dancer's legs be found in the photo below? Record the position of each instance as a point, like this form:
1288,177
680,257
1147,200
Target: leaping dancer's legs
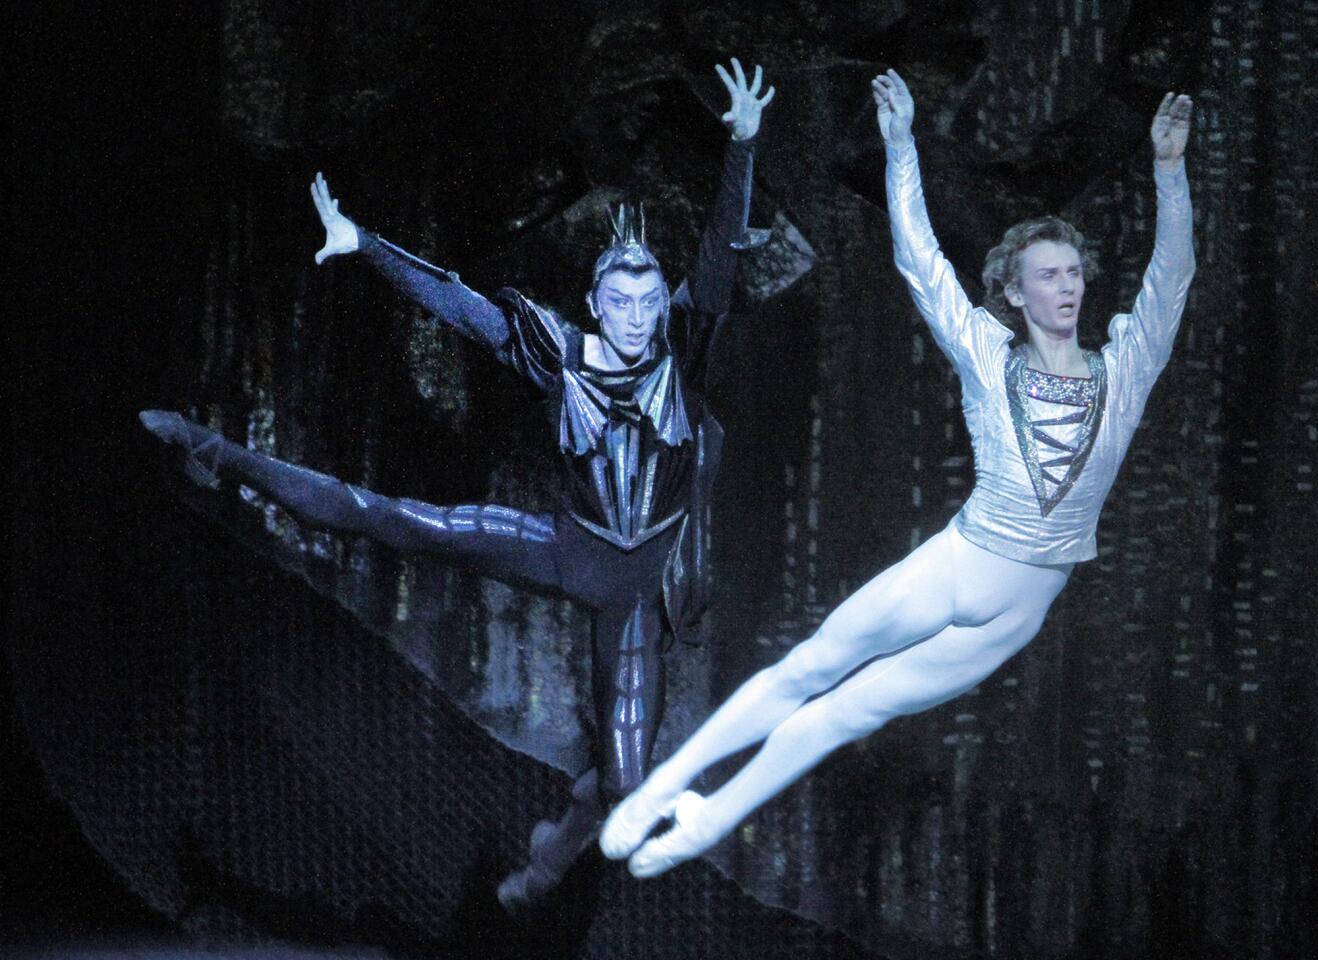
517,548
915,679
998,605
904,603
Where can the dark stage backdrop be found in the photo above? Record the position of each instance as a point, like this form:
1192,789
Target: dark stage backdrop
262,730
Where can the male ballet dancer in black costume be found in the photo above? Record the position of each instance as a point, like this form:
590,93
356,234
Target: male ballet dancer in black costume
639,449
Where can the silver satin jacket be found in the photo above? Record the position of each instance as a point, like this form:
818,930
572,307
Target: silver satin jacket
1047,449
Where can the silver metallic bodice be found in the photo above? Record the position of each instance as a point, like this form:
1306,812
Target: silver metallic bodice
1046,453
628,450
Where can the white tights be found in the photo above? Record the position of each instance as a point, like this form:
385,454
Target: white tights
934,625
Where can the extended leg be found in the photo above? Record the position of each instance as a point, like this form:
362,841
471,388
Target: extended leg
907,602
909,681
493,540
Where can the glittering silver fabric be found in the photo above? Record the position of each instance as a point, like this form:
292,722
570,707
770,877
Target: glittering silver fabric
1035,499
1055,388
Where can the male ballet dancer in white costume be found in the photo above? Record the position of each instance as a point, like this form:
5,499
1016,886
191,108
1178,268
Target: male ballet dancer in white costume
1049,424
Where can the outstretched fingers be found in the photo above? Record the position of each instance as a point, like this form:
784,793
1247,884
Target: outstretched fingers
726,78
743,113
736,84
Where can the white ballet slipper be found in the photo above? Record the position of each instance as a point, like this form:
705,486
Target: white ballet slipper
631,822
684,842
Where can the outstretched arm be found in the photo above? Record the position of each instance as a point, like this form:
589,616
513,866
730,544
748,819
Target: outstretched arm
1142,340
965,335
441,294
710,280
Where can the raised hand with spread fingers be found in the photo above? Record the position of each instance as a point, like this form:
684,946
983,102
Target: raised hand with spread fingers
743,116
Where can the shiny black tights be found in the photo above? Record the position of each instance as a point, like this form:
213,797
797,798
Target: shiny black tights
540,552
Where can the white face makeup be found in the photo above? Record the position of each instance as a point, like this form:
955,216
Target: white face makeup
627,306
1051,286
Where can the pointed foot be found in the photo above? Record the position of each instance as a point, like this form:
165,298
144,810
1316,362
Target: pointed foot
632,820
166,425
525,891
687,840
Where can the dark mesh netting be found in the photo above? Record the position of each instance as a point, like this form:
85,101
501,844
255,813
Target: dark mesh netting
276,770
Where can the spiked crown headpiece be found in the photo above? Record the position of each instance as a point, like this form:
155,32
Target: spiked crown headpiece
627,251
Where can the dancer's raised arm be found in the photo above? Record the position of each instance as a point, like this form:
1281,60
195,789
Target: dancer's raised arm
710,280
519,333
965,334
706,295
1140,342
